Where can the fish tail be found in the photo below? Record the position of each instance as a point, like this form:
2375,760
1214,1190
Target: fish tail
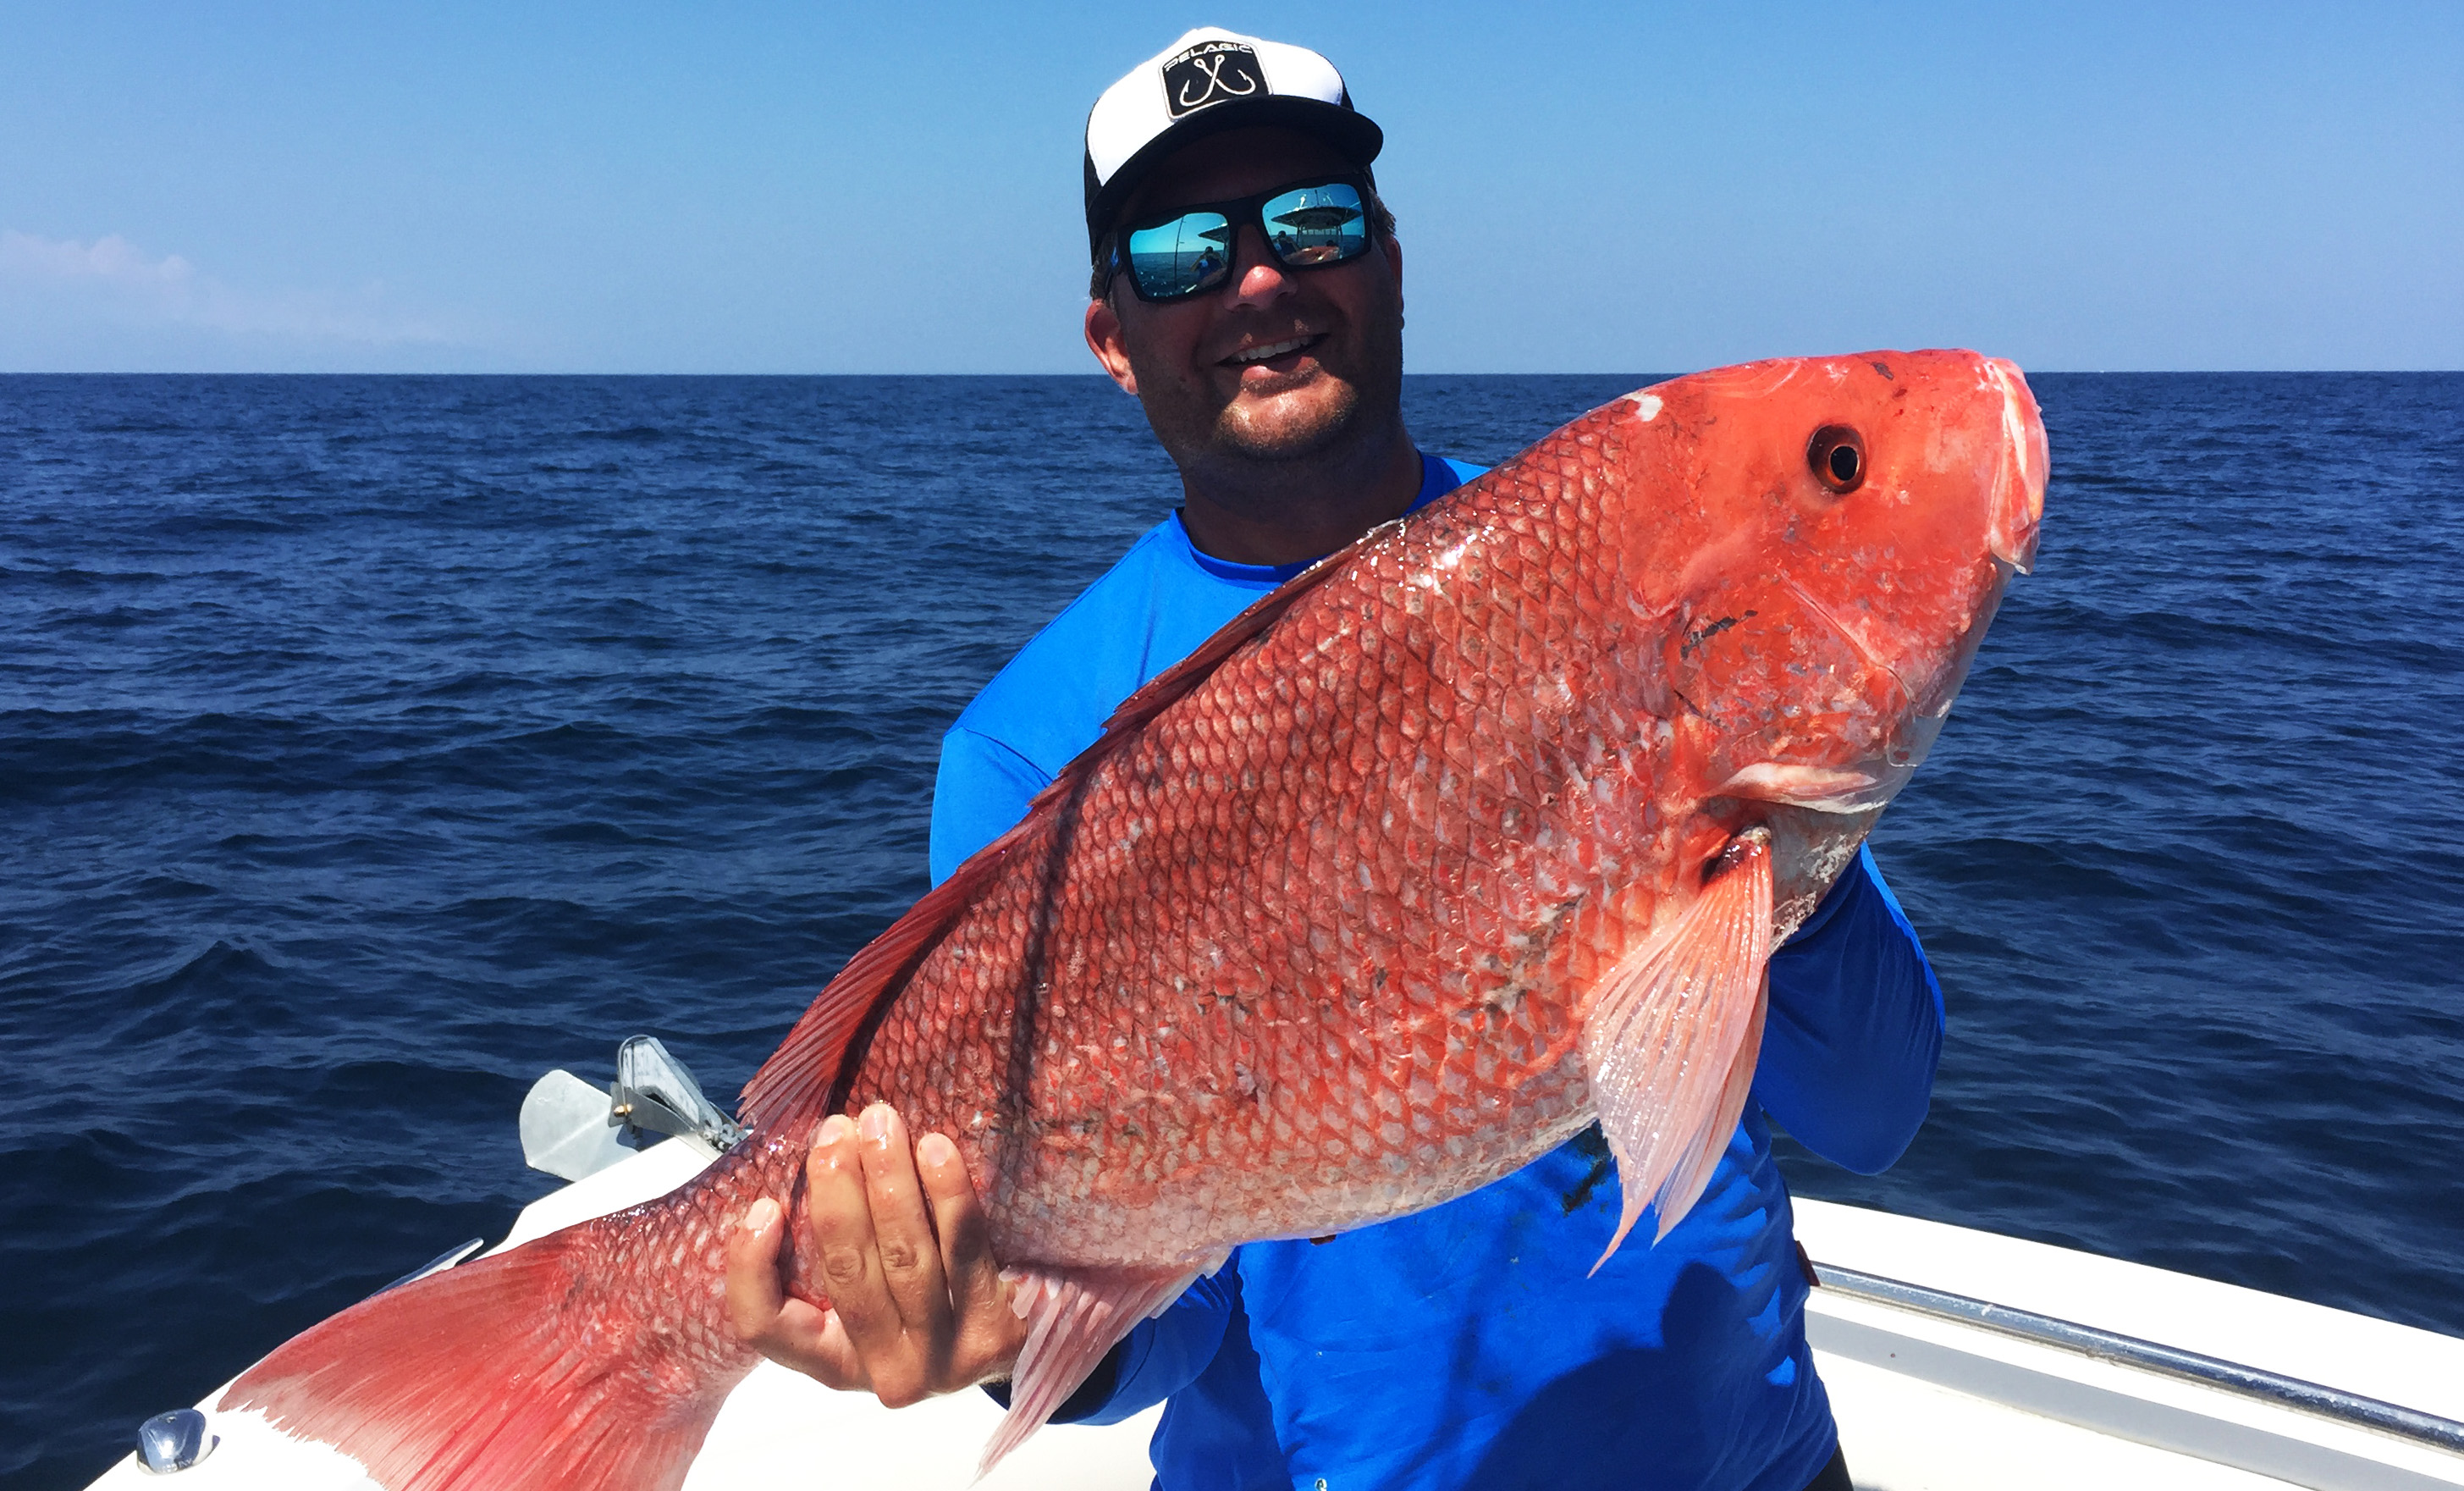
503,1374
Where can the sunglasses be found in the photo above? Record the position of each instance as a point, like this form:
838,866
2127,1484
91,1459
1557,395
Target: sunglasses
1309,225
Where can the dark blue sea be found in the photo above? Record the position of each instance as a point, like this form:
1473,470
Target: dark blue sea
370,745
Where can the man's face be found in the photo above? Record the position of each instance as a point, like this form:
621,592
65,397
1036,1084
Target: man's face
1336,333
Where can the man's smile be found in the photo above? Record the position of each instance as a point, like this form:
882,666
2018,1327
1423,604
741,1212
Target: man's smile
1271,353
1264,377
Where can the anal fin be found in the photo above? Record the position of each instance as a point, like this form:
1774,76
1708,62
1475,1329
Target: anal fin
1073,1317
1671,1036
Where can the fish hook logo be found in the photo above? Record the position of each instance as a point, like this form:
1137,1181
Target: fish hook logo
1211,73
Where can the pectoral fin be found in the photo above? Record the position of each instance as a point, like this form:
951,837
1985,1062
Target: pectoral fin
1672,1034
1073,1317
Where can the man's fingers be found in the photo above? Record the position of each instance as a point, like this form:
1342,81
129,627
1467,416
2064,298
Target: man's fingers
904,1254
753,1291
988,1331
842,1238
910,1256
966,1240
788,1331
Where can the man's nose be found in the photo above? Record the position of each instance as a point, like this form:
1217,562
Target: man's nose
1258,276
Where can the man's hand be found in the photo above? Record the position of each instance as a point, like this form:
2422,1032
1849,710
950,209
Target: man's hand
916,1302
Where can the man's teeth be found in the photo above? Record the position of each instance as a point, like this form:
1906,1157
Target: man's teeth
1258,354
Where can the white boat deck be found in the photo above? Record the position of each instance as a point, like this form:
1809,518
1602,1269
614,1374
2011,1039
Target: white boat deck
1924,1403
1929,1403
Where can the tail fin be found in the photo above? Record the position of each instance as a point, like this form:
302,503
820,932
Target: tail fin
503,1374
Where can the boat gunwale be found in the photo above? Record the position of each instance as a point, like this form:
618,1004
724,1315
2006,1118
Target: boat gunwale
2295,1394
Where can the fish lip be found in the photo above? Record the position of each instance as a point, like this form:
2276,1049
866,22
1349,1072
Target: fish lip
2018,503
2017,552
1850,789
1861,785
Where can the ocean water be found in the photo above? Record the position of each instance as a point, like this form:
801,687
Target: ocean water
368,747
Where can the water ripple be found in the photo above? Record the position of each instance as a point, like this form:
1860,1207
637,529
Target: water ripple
369,745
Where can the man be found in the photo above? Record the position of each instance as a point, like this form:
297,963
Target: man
1247,290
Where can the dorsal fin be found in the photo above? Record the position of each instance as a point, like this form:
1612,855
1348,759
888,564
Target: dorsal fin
794,1086
1159,692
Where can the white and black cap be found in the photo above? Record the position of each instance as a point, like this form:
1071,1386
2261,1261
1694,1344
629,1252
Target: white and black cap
1209,81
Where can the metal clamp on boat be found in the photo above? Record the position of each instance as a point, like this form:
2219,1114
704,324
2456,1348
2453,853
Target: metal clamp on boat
174,1441
654,1091
572,1129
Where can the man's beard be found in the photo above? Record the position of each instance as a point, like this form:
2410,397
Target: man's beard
1236,437
1368,401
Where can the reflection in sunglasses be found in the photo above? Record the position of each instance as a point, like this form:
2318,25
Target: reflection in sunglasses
1305,227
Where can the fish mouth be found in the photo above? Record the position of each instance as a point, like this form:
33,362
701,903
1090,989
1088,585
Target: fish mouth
1820,789
1915,717
1857,786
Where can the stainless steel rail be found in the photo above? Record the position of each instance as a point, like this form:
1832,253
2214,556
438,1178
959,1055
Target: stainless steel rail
2307,1397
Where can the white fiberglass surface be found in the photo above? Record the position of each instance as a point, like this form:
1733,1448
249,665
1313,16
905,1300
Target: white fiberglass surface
2398,1363
1902,1434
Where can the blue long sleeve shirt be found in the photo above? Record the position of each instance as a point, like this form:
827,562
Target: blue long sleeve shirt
1464,1346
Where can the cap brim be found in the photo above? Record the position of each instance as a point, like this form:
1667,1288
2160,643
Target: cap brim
1352,135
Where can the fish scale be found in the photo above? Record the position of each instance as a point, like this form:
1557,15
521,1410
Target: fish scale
1323,990
1480,830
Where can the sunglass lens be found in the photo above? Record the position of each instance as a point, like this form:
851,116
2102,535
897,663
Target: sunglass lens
1317,225
1182,257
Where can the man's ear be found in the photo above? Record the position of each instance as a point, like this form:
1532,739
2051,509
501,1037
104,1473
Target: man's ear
1394,248
1104,339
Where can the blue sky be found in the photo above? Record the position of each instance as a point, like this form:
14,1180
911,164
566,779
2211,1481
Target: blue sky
828,187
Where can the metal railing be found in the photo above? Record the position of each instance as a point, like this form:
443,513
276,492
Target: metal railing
2292,1392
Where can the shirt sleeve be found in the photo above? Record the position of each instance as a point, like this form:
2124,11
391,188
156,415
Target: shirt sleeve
1158,1358
1854,1028
979,793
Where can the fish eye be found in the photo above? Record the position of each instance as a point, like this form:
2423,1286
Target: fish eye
1836,454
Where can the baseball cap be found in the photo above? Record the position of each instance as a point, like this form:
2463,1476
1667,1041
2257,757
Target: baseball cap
1209,81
